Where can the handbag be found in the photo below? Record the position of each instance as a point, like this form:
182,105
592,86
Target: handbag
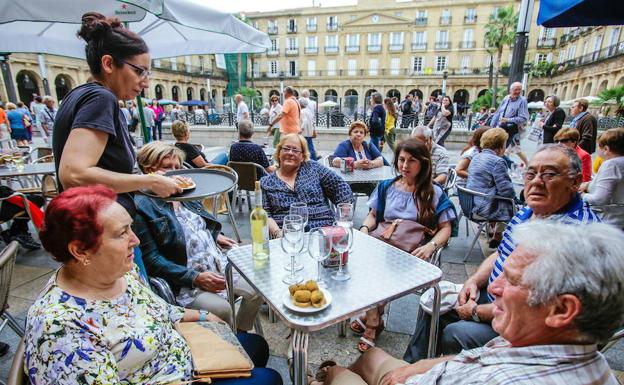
402,233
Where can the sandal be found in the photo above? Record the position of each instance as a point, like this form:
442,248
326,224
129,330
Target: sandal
321,373
366,343
357,326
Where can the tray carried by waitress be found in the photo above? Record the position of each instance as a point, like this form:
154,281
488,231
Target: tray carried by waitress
208,183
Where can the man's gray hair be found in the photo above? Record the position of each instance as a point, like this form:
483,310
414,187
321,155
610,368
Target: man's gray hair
245,128
422,131
47,98
515,84
305,93
574,164
289,90
377,98
303,102
584,260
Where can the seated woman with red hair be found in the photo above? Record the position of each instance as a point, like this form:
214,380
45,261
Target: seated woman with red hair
95,322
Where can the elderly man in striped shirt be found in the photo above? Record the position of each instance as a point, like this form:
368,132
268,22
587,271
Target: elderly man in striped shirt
550,187
560,294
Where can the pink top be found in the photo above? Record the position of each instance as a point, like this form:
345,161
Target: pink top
158,111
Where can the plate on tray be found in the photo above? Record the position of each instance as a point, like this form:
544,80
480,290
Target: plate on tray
207,183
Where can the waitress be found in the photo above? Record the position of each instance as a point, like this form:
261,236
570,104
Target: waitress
91,142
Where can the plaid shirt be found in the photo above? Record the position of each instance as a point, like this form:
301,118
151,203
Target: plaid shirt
500,363
439,160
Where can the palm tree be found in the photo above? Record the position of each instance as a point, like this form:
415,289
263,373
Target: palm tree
500,32
610,95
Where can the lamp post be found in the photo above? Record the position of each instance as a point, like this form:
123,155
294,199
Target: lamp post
7,77
521,42
281,77
525,78
444,77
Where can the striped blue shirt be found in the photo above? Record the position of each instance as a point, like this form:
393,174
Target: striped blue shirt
576,211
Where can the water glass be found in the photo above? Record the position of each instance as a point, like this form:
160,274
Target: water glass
344,214
342,243
292,244
301,209
319,248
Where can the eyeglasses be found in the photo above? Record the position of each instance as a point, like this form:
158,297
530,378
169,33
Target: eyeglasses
546,176
290,149
563,141
140,71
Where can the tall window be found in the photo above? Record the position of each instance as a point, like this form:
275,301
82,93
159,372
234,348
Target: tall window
396,40
353,40
293,43
157,63
419,37
331,41
332,22
597,43
571,51
374,41
352,67
615,36
418,63
421,14
292,25
292,68
540,58
562,54
274,44
274,68
441,63
442,36
256,68
468,36
311,68
471,14
373,64
331,67
465,63
395,66
585,48
312,42
311,23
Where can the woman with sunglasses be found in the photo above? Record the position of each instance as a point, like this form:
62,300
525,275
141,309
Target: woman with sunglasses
91,143
297,179
569,137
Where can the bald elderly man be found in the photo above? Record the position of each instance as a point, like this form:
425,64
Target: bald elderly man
512,115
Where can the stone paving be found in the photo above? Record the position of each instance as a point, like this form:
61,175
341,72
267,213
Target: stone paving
33,269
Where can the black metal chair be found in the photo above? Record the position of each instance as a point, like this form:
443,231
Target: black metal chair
466,201
7,262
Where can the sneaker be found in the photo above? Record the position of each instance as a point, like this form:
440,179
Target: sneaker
4,348
27,241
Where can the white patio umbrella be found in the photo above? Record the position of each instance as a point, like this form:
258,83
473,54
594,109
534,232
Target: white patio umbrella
328,104
169,27
536,105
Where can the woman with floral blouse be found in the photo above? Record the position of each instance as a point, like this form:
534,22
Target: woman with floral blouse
298,179
95,322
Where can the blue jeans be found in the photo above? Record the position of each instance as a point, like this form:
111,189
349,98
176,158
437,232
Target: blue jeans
157,129
311,147
258,350
220,158
375,141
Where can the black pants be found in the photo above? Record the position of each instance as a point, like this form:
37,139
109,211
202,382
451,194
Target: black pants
20,223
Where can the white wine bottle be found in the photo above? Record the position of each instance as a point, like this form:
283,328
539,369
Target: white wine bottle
259,229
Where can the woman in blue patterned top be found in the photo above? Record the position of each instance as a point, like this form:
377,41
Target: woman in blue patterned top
298,179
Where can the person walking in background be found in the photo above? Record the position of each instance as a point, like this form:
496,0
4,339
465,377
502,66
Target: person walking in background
274,111
391,117
442,123
407,111
242,111
553,121
377,121
46,117
512,116
432,109
289,116
28,119
307,126
16,125
159,116
586,124
150,120
311,103
4,124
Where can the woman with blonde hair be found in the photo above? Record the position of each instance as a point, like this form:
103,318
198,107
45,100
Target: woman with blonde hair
16,125
297,179
194,157
391,115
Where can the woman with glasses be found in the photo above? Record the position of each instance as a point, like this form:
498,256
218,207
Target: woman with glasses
488,174
569,137
275,110
365,155
297,179
91,142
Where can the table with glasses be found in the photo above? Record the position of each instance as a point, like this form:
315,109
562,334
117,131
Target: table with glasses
27,170
379,273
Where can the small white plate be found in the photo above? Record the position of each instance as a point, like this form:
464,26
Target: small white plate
190,187
311,309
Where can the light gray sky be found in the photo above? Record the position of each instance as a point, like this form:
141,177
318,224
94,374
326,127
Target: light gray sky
273,5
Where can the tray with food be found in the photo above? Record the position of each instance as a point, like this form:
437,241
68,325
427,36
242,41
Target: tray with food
199,183
307,298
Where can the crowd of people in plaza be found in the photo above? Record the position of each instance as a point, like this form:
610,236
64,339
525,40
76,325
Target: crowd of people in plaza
534,311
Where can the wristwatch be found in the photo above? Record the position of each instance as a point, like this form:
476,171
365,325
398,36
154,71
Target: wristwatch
203,315
434,243
475,316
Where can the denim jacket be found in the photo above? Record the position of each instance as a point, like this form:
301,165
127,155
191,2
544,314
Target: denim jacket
162,239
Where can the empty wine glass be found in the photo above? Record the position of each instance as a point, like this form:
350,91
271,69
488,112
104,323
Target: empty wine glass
319,248
299,208
292,244
344,214
342,242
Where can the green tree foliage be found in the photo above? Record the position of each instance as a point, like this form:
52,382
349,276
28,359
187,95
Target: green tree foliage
485,100
500,32
611,95
543,69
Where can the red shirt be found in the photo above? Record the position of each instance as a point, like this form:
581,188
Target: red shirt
586,163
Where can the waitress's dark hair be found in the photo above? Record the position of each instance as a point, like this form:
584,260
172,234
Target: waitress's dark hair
107,36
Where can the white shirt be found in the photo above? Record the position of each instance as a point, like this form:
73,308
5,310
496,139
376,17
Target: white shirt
307,122
240,112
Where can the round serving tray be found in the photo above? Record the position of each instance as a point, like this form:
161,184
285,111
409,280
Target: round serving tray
208,183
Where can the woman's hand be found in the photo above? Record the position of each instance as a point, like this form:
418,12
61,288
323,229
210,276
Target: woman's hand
583,187
163,186
209,281
541,123
225,242
424,252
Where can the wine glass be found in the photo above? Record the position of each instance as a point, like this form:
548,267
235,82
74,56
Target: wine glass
342,242
319,248
344,214
292,244
299,208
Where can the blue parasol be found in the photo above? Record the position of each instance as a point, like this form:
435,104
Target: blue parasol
194,103
580,13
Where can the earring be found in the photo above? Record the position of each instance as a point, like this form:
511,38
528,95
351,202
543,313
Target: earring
86,262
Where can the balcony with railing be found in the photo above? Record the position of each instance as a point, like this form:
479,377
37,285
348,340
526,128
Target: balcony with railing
442,45
472,19
182,68
383,72
445,20
332,26
396,47
272,30
586,30
292,51
419,46
311,50
420,21
352,48
467,44
291,29
331,49
547,42
273,52
563,39
373,48
603,54
310,27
